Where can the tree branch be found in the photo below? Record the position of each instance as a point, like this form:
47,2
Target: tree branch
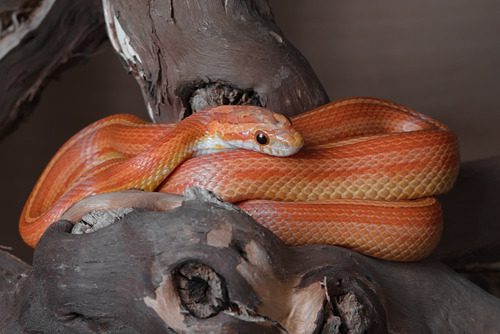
38,39
188,55
208,267
205,266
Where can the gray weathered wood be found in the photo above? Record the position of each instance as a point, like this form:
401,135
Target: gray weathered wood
187,55
205,266
38,39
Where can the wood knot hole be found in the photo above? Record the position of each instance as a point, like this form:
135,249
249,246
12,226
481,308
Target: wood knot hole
202,291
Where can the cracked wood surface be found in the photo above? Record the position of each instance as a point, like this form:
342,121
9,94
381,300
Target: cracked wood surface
169,276
226,51
163,272
38,39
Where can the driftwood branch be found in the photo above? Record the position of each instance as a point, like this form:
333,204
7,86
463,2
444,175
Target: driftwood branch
188,55
205,266
38,39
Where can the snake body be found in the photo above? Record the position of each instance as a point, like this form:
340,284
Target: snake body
364,179
123,152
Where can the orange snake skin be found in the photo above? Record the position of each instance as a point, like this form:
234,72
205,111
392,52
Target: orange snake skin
363,180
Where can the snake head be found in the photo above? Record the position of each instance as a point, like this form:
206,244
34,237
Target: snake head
253,128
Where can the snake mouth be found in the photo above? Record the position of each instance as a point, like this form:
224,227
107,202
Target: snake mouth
196,96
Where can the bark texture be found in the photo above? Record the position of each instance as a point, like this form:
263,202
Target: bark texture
38,39
188,55
205,266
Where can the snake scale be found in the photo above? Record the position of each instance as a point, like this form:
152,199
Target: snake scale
364,179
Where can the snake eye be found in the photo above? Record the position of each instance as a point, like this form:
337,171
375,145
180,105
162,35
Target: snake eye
261,138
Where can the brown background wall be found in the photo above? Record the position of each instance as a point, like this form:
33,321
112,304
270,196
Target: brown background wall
439,57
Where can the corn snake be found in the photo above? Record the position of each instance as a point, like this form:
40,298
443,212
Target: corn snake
364,178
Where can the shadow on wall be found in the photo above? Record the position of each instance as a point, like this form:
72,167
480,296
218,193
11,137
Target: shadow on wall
441,58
